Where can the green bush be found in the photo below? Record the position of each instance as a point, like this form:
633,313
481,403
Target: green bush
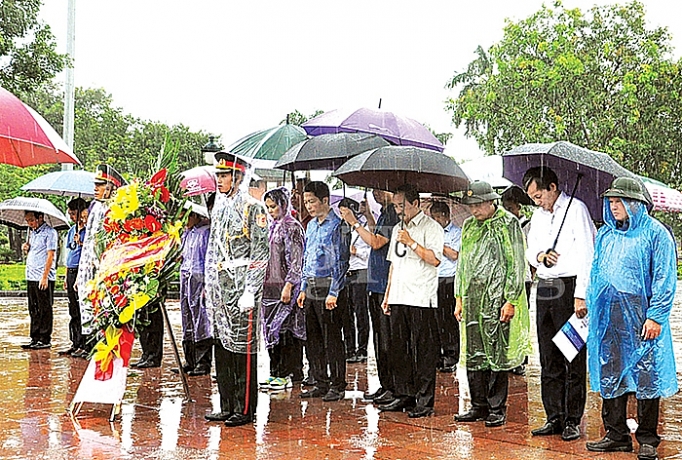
13,277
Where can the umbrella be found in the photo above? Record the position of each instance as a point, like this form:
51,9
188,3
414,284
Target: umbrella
328,151
268,144
199,180
12,212
394,128
73,183
26,139
664,198
387,168
596,169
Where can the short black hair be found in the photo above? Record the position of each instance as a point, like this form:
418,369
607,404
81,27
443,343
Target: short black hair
317,188
542,176
440,207
409,192
77,204
36,214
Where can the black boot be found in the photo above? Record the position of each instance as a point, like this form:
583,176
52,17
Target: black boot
203,355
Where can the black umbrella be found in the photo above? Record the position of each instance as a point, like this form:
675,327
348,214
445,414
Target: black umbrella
328,151
568,161
387,168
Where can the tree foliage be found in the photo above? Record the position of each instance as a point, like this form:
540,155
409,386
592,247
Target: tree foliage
28,54
601,79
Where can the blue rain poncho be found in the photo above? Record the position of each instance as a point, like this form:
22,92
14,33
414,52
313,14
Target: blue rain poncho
633,278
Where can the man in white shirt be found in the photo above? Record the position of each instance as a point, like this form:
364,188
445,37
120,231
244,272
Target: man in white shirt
563,273
411,300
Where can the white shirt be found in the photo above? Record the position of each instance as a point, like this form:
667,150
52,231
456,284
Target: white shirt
413,281
359,260
575,246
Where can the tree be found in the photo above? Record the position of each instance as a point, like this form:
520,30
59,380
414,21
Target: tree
601,79
27,48
297,118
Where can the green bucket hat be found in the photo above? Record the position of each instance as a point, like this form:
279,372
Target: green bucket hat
626,187
479,192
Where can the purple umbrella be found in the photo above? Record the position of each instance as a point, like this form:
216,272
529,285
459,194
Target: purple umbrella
394,128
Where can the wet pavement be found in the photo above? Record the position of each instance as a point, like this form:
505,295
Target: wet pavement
156,422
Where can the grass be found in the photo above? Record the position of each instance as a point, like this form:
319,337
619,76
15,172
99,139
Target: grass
13,277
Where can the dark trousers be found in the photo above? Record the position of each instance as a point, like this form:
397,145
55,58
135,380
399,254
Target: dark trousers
324,344
286,357
75,331
489,390
40,311
414,353
448,328
614,414
563,383
356,322
237,380
381,334
151,336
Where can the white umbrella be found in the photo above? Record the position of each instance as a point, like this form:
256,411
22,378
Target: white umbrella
73,183
12,212
487,169
664,198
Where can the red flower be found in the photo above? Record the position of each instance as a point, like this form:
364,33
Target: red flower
120,300
165,194
151,223
158,179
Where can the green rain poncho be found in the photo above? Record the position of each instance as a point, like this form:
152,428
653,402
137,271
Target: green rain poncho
491,271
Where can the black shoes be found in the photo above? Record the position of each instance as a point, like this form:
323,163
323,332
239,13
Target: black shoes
384,398
549,428
147,364
447,364
495,419
316,392
29,346
571,432
398,405
239,420
474,415
372,396
199,370
519,370
608,445
333,395
647,452
308,382
357,358
66,352
36,345
218,416
419,412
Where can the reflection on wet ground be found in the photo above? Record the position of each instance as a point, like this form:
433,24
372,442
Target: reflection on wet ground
156,422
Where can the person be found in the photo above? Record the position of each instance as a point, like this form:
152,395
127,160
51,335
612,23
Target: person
257,188
411,299
563,274
78,213
41,272
107,180
236,260
491,302
356,321
630,297
197,337
448,329
513,198
325,264
283,322
378,235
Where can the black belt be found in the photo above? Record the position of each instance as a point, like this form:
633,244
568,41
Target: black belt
72,269
355,272
563,279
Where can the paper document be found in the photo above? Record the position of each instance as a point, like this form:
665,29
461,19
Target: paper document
571,337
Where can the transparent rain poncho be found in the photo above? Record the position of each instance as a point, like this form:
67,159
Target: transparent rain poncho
633,278
491,271
236,259
89,261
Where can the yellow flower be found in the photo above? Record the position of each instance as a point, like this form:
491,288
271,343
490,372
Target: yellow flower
138,301
107,349
125,202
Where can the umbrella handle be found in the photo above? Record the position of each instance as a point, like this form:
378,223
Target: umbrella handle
545,262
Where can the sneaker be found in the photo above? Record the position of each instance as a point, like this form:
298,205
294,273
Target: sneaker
266,383
281,383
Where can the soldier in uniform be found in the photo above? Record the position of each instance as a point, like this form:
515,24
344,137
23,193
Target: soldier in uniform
236,259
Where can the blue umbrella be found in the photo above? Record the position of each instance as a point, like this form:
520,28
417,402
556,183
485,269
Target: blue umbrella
73,183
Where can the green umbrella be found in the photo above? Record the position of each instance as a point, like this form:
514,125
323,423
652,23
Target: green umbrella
269,144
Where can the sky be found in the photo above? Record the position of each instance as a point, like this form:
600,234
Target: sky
233,67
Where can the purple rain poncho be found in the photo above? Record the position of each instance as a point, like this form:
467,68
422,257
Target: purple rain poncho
633,278
287,242
196,325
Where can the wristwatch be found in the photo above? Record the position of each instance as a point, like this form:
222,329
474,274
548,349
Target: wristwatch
413,246
356,225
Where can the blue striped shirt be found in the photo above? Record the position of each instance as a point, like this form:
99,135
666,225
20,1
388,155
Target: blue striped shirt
41,240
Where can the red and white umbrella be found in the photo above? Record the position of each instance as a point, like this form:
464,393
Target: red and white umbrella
26,139
199,180
664,198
